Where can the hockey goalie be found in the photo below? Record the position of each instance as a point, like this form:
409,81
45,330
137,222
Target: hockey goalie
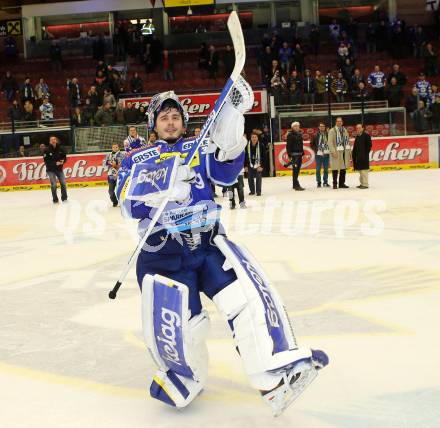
188,253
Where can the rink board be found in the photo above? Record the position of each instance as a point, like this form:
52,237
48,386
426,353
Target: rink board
388,154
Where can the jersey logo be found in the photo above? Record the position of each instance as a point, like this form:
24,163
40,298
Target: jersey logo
195,162
145,155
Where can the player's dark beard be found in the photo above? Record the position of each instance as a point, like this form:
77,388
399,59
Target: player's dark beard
171,141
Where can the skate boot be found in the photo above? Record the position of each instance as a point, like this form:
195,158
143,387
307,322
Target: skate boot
296,379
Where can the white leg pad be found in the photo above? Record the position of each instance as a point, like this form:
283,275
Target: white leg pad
176,342
262,329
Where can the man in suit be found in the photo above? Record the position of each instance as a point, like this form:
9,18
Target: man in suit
361,155
340,153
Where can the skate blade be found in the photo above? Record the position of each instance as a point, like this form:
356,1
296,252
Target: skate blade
281,398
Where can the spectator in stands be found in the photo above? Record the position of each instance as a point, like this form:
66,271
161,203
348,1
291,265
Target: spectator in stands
400,77
370,39
275,42
277,87
228,60
105,116
152,138
360,93
361,155
113,162
27,92
136,84
299,57
295,151
55,54
88,112
101,67
319,145
293,91
74,92
339,88
435,113
266,64
167,65
398,43
119,113
142,115
203,56
341,55
394,93
22,152
55,158
430,58
131,113
334,30
419,38
46,111
314,40
309,88
432,95
285,55
78,118
421,117
412,101
273,70
28,112
320,87
423,86
95,99
347,70
340,153
254,164
9,86
376,79
355,80
212,62
41,90
14,112
109,98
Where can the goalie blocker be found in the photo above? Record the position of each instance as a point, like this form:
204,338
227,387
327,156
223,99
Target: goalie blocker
261,329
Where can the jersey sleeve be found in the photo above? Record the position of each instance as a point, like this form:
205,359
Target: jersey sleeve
224,173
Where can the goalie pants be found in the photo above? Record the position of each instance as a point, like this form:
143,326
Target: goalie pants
200,269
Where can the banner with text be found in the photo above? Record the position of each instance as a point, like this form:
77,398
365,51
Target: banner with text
30,173
202,104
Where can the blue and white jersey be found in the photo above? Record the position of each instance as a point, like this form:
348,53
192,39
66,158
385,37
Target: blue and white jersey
200,211
377,79
424,88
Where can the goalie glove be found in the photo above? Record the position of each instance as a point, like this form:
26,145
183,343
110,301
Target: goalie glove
227,134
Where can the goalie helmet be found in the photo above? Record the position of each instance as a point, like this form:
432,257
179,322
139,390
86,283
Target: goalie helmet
158,101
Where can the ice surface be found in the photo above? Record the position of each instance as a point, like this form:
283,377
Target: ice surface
364,288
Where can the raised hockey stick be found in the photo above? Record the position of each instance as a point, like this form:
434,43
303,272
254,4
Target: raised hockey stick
236,33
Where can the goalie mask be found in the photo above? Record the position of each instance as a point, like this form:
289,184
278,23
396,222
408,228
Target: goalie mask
165,100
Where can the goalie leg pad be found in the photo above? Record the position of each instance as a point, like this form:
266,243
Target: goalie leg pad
255,312
176,342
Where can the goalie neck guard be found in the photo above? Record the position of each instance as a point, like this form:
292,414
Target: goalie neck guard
156,104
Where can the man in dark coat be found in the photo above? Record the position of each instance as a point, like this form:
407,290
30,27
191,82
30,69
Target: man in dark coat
55,158
295,151
361,155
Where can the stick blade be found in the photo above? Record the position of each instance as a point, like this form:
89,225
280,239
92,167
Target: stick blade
237,37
